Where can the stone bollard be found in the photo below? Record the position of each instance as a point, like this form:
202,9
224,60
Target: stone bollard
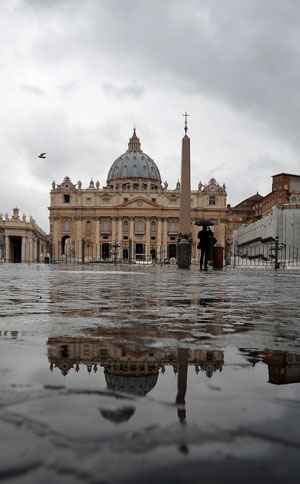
218,257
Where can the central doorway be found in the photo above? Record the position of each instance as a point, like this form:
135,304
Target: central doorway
139,251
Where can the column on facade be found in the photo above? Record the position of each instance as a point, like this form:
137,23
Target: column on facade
120,237
7,251
55,251
147,238
131,237
219,233
114,249
165,238
97,239
114,229
159,253
78,248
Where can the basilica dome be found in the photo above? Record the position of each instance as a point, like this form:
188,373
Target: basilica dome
138,385
134,164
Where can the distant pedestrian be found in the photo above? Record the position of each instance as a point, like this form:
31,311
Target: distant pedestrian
206,243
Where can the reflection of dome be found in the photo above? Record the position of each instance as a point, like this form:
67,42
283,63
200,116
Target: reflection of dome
136,385
118,415
134,164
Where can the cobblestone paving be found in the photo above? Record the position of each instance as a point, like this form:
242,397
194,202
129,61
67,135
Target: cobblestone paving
148,374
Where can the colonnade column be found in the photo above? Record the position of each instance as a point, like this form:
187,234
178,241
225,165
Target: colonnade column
7,251
23,253
30,258
34,252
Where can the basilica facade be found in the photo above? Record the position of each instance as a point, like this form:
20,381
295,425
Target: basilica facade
134,217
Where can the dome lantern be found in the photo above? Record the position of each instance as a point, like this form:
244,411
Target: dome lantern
134,142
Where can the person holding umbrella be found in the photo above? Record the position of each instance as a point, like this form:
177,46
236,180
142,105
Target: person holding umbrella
206,243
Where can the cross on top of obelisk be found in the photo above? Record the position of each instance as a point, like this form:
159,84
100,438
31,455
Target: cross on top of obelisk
185,121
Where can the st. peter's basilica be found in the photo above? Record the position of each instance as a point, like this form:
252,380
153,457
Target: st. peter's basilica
133,217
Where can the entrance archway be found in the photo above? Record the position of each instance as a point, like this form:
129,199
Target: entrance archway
15,249
63,244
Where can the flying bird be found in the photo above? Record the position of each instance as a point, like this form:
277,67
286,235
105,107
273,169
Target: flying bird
42,155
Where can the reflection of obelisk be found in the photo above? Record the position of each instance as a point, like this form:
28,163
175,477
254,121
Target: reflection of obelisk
183,362
184,243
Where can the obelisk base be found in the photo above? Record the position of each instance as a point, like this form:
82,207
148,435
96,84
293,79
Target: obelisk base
184,252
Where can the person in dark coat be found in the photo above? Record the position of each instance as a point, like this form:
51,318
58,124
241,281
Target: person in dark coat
206,242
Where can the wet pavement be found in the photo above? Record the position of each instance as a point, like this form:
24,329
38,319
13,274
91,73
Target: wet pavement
148,374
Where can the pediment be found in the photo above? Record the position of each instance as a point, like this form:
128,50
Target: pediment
139,202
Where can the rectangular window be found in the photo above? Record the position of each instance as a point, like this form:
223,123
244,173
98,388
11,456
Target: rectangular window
105,226
139,227
66,198
172,227
212,200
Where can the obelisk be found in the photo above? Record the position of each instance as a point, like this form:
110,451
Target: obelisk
184,241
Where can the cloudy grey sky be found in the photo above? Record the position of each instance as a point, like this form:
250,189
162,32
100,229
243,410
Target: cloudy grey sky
77,75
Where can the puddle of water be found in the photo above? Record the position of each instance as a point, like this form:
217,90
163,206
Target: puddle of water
160,378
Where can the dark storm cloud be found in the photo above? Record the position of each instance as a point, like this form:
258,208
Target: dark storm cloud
106,64
245,53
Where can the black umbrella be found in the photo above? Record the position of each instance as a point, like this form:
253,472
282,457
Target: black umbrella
205,222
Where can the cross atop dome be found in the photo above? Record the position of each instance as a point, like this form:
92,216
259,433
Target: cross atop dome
134,143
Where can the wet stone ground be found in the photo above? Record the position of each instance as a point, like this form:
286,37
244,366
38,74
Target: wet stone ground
148,375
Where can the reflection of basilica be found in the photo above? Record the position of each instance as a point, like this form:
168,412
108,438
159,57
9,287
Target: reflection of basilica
131,367
128,366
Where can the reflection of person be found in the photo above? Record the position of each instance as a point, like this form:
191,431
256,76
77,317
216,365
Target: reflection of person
206,243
